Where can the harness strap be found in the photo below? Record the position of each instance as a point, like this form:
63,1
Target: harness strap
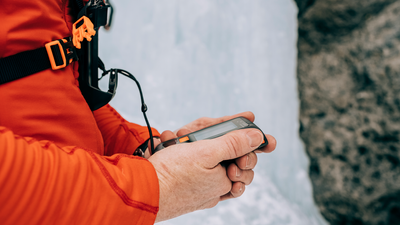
23,64
55,55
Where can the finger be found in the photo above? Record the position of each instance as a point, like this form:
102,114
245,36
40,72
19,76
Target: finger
237,190
147,154
270,147
247,162
212,121
235,174
183,131
156,141
149,151
206,121
230,146
239,143
167,135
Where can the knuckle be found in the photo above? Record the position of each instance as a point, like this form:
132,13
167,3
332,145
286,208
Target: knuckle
233,146
202,121
208,155
253,158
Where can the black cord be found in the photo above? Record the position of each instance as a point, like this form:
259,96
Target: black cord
144,106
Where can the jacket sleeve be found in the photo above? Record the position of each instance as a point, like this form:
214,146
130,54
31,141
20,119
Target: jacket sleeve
41,183
119,135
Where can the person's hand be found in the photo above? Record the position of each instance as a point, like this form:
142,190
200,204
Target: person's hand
241,166
190,175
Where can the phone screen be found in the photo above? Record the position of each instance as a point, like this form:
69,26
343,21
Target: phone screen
211,131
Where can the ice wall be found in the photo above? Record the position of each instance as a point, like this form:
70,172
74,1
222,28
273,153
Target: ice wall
212,58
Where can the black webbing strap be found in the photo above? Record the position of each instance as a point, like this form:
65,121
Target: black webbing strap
23,64
30,62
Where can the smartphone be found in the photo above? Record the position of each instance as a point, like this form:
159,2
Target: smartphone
211,132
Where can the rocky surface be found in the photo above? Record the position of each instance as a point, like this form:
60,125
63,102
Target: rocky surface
349,88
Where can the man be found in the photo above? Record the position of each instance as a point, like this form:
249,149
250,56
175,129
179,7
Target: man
61,163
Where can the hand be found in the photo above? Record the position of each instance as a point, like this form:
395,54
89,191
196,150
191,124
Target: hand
190,175
240,171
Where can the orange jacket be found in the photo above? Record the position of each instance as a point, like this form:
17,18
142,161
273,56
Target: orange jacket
58,161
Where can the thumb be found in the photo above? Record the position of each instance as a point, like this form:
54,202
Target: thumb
234,145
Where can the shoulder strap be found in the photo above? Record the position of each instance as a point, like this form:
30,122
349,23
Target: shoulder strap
55,55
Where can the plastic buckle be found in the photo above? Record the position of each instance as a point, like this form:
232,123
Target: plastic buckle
67,52
51,56
82,28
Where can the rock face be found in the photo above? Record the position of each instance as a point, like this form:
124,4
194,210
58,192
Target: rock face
349,88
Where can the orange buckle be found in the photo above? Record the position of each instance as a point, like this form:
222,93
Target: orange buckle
85,30
51,56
